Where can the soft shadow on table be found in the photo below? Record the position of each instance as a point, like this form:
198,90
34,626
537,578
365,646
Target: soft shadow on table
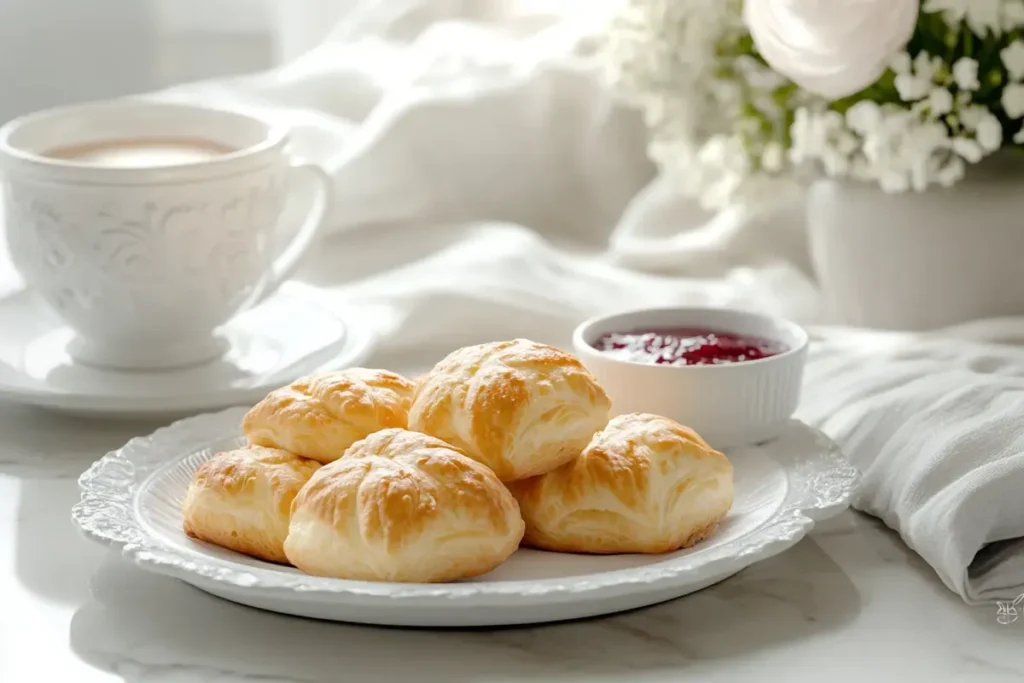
140,626
40,444
46,453
865,544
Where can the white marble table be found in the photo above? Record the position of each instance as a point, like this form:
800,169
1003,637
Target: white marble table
849,604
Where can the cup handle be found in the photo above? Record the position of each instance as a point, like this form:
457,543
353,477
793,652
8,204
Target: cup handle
316,217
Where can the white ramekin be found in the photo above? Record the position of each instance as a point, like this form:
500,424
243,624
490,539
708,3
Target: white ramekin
730,405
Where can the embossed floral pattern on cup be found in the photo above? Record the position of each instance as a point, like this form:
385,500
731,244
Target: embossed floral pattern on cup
183,262
145,263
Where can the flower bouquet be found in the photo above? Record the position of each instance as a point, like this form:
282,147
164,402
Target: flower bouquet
903,94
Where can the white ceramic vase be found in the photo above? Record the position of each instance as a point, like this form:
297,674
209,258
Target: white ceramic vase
920,261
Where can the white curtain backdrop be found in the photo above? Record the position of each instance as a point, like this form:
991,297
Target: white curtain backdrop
299,25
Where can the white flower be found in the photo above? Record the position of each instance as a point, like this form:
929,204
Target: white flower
822,136
1013,100
833,48
772,158
965,74
916,81
901,63
1013,13
951,173
724,164
968,149
864,117
716,116
941,101
897,148
989,132
1013,59
893,182
912,88
728,126
981,16
978,134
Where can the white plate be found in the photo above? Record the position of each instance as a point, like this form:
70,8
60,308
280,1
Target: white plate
295,332
131,499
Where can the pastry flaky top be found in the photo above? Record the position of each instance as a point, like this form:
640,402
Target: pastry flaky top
403,506
241,499
320,416
241,472
644,484
519,407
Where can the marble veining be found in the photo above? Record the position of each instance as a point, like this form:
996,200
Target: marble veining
984,666
132,671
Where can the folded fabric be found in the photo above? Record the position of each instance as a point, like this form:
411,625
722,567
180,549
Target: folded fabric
936,425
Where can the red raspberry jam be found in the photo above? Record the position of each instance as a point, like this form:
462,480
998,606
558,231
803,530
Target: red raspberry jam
686,346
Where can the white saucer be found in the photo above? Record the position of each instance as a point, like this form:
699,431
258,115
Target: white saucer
293,333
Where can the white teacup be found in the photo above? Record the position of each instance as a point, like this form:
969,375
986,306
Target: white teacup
147,225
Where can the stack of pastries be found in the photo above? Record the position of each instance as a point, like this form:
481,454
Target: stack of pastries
363,474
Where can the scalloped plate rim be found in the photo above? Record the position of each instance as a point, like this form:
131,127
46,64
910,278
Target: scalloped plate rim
786,526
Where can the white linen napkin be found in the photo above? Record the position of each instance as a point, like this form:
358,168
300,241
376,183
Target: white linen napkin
936,425
489,187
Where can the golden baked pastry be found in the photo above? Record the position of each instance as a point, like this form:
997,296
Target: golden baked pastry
241,500
403,506
519,407
320,416
645,484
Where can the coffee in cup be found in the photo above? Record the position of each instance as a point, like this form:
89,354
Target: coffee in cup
141,152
